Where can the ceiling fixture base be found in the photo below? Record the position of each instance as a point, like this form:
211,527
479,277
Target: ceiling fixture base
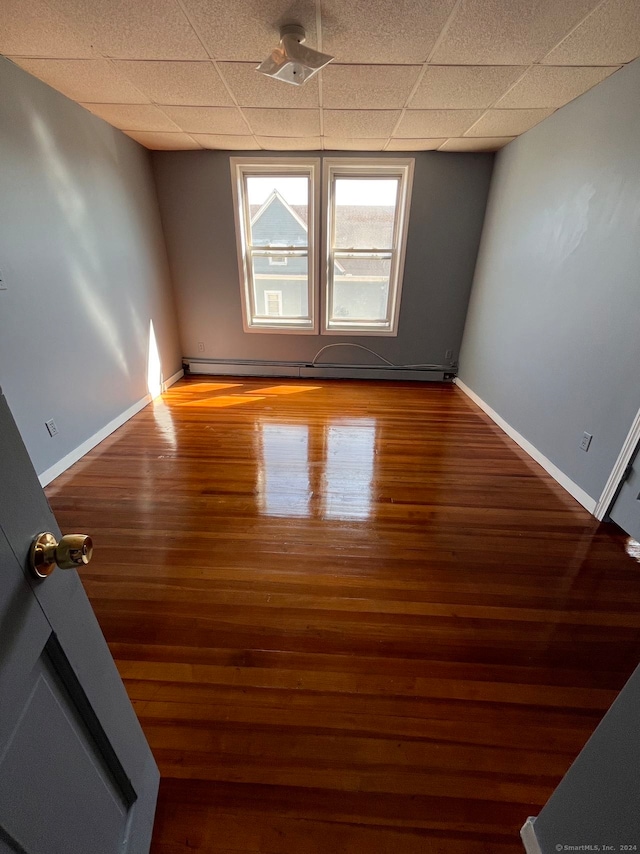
291,61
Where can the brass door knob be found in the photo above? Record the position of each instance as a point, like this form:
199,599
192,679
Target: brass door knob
73,551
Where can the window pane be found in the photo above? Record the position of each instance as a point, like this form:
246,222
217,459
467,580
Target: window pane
279,210
365,212
289,280
361,289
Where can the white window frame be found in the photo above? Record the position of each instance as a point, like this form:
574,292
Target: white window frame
241,169
342,167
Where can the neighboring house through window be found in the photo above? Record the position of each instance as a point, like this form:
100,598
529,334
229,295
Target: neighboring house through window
365,210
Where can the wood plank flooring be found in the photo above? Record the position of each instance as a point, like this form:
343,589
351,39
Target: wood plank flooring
352,617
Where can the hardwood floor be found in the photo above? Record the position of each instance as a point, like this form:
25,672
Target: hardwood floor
352,617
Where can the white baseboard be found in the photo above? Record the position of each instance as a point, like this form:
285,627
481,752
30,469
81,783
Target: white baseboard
572,488
529,838
73,456
173,379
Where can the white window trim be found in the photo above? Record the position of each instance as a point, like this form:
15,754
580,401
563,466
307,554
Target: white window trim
362,167
241,166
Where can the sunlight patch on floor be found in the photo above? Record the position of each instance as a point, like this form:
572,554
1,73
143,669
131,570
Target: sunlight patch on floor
201,388
286,389
222,400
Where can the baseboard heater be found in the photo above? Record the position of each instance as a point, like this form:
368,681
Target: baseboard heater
302,370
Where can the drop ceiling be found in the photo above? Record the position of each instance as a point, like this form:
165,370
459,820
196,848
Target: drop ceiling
408,75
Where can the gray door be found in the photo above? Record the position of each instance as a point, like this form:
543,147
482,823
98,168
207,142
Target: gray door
76,773
626,507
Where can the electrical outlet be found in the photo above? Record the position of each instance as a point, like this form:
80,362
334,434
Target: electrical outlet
201,346
448,356
3,283
51,427
585,441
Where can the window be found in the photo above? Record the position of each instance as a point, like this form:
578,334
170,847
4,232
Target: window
365,206
366,217
276,222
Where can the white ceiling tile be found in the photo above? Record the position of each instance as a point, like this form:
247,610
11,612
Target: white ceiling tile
363,124
249,30
286,143
463,87
414,144
508,32
133,116
468,143
228,142
382,31
609,36
252,89
32,28
284,122
224,120
84,80
546,86
431,124
179,83
362,87
164,141
133,29
507,122
332,143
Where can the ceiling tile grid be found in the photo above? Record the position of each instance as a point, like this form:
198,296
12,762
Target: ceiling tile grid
493,143
331,143
360,123
220,120
507,122
92,81
180,84
368,87
463,87
164,141
221,141
546,86
450,75
138,117
436,123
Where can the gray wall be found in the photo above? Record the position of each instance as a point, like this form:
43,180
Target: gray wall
597,802
83,258
448,203
552,340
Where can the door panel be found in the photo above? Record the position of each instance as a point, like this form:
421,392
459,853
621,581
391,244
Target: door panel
53,776
65,603
76,773
626,508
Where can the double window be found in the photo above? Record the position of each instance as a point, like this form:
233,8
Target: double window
324,257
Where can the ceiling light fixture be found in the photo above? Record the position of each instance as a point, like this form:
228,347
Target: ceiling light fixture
291,61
